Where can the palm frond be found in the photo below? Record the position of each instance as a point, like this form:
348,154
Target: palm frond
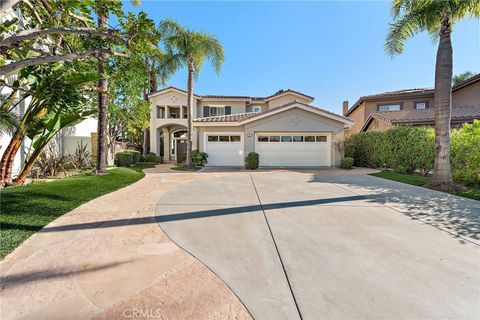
404,28
8,121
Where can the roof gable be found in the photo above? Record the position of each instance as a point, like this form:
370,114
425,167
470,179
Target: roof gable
243,118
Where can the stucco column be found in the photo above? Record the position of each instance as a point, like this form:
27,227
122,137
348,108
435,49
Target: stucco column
166,143
195,139
154,136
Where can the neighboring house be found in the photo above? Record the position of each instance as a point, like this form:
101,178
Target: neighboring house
284,129
413,107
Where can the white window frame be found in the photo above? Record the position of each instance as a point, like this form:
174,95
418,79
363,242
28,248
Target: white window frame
257,109
216,108
421,102
389,107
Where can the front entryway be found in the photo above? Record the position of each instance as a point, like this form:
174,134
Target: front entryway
285,149
224,149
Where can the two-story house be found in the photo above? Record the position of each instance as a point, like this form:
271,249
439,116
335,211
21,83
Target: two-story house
413,107
283,128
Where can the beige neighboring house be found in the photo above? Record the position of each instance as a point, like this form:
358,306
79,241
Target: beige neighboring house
283,128
413,107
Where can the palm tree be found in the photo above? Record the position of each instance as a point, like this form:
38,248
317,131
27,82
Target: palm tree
102,84
411,17
187,48
459,78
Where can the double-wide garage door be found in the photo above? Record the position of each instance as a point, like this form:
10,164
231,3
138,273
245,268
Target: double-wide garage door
281,149
294,150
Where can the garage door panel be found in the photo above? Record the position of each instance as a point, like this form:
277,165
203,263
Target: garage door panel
224,153
292,154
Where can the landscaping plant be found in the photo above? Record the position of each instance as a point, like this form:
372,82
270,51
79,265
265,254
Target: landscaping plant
252,161
199,159
123,159
437,18
346,163
410,149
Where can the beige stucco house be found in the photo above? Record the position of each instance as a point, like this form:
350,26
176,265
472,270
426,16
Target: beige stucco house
413,107
283,128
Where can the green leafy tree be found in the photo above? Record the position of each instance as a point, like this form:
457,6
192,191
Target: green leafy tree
190,49
411,17
52,89
459,78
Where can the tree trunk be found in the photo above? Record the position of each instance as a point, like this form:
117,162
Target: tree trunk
102,102
191,70
8,159
28,165
443,102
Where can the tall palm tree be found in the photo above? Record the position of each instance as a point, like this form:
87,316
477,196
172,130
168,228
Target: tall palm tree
102,84
190,49
437,17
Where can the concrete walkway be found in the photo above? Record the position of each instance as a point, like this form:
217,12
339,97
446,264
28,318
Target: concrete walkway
331,245
108,259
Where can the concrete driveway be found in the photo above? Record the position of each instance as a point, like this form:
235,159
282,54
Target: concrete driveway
319,245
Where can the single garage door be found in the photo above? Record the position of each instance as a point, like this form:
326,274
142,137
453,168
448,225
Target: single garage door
224,149
294,149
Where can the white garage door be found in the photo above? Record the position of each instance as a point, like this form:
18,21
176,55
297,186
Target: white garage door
294,150
224,149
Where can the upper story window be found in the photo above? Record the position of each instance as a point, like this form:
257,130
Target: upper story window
216,111
389,107
421,105
257,109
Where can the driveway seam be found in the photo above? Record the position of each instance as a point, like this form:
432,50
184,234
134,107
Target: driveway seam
200,262
277,250
415,218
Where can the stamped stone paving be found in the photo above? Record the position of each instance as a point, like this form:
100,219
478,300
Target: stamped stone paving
108,259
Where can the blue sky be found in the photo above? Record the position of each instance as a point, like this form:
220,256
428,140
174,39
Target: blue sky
332,50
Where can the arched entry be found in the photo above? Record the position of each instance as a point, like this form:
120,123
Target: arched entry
178,149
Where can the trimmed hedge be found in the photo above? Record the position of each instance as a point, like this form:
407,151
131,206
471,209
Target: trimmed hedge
465,153
346,163
123,159
252,161
406,149
135,155
152,157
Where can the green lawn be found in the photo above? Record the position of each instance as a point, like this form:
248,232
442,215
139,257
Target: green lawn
26,209
416,180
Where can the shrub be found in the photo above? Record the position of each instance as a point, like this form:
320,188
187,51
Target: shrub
135,155
406,149
252,161
123,159
141,158
403,148
346,163
81,159
48,164
199,159
152,157
465,153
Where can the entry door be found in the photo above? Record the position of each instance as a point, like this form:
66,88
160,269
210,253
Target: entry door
181,149
285,149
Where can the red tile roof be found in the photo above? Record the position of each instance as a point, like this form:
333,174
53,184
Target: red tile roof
427,116
239,117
